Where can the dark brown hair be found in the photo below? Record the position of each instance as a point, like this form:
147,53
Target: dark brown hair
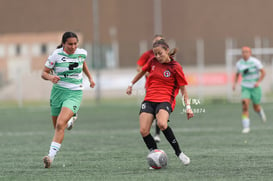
159,35
162,43
67,35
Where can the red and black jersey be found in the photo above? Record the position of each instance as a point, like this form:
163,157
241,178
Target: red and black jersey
144,58
164,81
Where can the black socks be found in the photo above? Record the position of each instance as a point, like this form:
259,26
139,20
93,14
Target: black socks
172,140
157,130
150,142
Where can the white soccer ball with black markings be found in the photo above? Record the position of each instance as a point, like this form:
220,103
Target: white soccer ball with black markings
157,159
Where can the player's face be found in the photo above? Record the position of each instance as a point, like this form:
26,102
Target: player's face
70,45
246,53
161,54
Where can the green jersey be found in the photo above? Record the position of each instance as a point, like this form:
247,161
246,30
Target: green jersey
68,67
250,71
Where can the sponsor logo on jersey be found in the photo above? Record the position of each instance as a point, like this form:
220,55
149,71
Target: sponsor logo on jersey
63,59
167,73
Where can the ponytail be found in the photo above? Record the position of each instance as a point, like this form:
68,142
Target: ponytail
173,52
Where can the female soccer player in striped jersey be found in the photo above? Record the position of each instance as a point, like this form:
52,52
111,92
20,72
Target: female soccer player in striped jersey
68,64
252,73
166,78
144,58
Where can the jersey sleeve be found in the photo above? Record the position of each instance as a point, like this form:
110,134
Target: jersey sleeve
147,66
143,59
51,60
180,77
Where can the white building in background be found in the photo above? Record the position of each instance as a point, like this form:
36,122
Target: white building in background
24,53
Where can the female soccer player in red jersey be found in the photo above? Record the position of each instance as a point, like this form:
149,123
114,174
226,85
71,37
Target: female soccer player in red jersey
144,58
166,78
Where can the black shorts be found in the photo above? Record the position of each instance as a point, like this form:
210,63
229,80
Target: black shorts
154,107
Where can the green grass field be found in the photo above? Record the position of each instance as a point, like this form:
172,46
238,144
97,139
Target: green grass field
105,144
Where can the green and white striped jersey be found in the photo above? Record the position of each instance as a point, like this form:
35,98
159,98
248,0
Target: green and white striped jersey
68,67
250,71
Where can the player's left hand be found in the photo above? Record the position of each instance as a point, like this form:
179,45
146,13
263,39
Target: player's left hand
189,114
256,84
92,84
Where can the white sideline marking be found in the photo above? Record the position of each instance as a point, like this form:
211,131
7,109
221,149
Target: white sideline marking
128,131
22,133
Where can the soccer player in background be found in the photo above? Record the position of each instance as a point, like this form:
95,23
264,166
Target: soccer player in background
252,72
140,63
166,78
68,64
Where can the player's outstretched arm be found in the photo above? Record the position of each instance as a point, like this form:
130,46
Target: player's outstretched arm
136,78
47,76
187,102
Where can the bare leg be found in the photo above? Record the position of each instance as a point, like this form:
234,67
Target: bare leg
145,122
62,120
59,124
258,109
162,121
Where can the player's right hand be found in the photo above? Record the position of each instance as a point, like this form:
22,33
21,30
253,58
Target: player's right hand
55,79
129,90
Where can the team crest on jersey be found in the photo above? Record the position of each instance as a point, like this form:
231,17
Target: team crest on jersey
167,73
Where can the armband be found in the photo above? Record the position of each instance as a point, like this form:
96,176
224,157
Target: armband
188,107
131,84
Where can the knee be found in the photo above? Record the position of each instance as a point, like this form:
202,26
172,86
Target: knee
245,105
162,125
144,132
60,126
257,108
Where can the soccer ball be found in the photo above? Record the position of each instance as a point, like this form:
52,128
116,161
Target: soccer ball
157,159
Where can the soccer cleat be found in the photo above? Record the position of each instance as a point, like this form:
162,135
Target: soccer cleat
185,160
263,116
47,161
246,130
157,138
71,122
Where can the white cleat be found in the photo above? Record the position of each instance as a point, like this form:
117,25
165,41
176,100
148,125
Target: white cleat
246,130
47,161
185,160
71,122
157,138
